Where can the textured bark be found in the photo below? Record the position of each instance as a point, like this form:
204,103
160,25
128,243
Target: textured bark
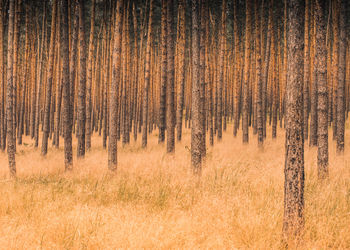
39,78
181,69
46,122
2,82
306,70
196,133
313,94
67,126
114,91
293,219
163,79
145,103
245,109
341,78
73,59
265,72
89,78
202,51
170,107
221,70
236,68
335,67
81,102
322,91
258,76
9,94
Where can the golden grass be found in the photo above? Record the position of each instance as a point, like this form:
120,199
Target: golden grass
154,201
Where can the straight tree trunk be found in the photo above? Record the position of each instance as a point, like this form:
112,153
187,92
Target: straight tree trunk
170,107
9,94
81,104
114,89
181,70
89,77
46,122
67,125
293,219
322,88
145,104
246,71
341,78
196,132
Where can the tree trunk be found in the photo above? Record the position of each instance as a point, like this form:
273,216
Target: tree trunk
293,219
81,104
196,132
67,125
114,91
341,78
46,122
89,78
322,91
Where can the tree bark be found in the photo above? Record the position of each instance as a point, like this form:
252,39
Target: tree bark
293,219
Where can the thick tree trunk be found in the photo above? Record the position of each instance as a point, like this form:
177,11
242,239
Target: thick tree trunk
293,220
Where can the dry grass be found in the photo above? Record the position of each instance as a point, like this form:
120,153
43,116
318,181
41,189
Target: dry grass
154,202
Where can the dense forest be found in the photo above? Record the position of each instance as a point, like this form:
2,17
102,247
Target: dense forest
123,69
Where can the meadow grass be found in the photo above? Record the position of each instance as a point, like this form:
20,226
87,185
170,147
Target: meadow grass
153,201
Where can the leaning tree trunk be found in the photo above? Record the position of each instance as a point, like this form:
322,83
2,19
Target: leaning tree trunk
293,219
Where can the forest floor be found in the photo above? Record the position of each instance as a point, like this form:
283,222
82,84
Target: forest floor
153,201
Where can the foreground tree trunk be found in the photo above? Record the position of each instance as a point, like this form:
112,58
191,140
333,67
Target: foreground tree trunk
9,95
114,89
293,220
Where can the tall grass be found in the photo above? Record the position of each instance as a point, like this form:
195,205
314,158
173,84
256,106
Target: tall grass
153,201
